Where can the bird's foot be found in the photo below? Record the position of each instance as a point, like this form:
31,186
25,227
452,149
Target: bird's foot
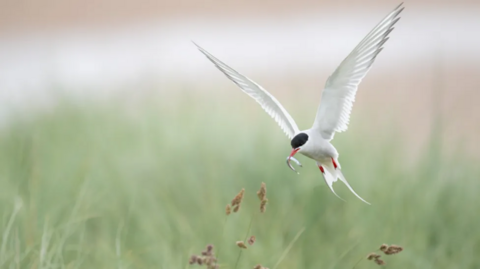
321,169
334,163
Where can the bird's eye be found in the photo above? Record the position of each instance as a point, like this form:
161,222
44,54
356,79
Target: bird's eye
299,140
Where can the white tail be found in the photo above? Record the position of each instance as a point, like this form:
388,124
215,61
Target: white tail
331,175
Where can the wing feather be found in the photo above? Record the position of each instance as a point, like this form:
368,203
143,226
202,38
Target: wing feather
333,113
267,101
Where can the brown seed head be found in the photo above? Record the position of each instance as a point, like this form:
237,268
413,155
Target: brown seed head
259,266
208,261
238,199
211,262
380,262
193,259
208,250
240,244
251,240
263,205
393,249
383,247
236,208
372,256
396,247
262,193
199,261
228,209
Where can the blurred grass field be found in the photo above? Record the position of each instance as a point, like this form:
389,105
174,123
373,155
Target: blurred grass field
115,186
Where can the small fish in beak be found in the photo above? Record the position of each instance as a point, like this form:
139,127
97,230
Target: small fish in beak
290,157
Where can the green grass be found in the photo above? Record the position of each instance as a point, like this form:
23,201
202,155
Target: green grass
116,187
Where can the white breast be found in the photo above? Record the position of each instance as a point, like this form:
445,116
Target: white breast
318,148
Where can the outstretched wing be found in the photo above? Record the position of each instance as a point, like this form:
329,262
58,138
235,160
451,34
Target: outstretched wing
269,103
338,96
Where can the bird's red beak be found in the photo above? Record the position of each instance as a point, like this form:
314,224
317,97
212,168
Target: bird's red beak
294,151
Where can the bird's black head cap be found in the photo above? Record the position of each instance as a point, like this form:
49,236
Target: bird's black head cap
299,140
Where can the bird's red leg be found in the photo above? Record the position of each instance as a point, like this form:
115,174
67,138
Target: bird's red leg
334,163
321,169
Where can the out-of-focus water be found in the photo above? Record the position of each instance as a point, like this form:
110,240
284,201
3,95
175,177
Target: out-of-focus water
429,49
79,58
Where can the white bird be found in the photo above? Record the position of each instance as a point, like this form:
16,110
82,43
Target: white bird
335,106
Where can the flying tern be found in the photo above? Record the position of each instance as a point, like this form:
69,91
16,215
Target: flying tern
336,103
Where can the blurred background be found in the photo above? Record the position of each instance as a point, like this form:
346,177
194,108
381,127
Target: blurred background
121,144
